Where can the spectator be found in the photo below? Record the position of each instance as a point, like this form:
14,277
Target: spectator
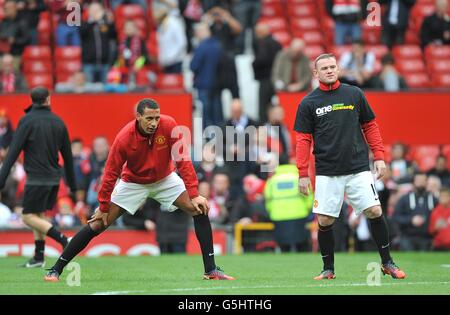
361,232
440,222
220,202
401,169
65,217
209,164
291,70
12,81
395,21
441,170
247,12
144,219
172,41
412,214
389,79
66,35
288,209
29,10
347,15
434,185
251,207
356,67
204,64
5,216
237,161
435,28
6,131
132,54
96,35
192,12
278,133
77,84
14,32
224,27
266,49
97,159
80,164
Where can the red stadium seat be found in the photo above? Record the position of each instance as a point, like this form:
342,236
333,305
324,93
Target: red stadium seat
419,151
441,80
417,80
419,12
410,66
289,2
272,9
63,77
438,66
426,163
37,53
311,37
69,66
313,51
437,51
407,52
129,11
170,82
305,24
40,80
283,37
68,52
411,37
302,10
37,66
378,50
371,35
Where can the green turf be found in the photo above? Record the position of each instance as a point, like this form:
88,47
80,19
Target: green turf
428,273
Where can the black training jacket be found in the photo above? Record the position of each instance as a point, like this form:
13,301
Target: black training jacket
41,135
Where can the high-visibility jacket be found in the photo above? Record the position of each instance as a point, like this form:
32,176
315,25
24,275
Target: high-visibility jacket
283,199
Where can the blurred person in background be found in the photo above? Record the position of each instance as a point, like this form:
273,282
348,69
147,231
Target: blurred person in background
6,130
11,81
247,12
288,209
77,84
402,170
439,226
291,71
347,15
389,79
441,170
434,185
435,29
266,49
356,67
42,136
66,35
220,201
395,21
412,214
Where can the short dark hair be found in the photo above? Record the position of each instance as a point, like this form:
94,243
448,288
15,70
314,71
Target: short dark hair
146,103
39,95
323,56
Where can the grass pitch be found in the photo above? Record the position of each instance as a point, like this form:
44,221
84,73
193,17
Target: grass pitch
257,274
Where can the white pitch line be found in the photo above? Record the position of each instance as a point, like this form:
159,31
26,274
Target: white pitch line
117,292
303,286
446,266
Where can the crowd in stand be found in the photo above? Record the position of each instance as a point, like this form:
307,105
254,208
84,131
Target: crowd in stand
124,45
415,196
121,54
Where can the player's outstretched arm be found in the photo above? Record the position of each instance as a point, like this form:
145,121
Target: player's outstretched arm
380,168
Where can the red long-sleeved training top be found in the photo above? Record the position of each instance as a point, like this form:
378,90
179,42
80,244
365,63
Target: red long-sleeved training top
145,160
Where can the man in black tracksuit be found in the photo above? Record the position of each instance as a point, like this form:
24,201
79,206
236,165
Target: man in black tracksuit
41,135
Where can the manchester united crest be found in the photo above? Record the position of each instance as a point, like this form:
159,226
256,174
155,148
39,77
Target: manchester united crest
160,140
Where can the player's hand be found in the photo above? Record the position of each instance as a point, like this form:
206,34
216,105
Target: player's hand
380,168
201,204
98,215
304,185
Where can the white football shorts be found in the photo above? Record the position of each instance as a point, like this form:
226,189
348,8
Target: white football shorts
131,196
330,190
